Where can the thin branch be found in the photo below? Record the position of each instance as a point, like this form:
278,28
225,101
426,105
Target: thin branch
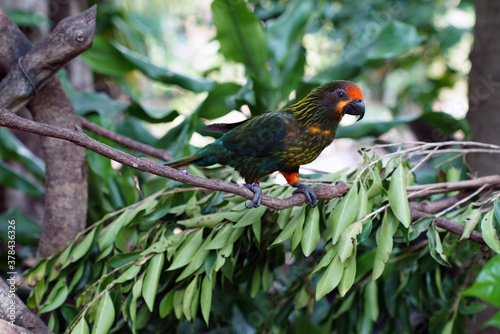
427,208
125,141
441,204
424,190
12,121
420,148
463,200
450,226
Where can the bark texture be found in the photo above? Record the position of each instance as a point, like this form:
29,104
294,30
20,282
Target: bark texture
484,85
66,170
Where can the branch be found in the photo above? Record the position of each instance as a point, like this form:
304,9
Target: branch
70,37
419,191
34,70
23,316
77,137
7,328
125,141
450,226
426,208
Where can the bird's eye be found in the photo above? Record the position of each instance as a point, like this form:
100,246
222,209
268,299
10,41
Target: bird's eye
341,94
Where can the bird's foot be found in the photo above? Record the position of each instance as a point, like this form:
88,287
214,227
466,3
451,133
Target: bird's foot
311,198
257,197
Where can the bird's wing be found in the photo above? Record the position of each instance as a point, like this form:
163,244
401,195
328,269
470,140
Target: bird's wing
223,127
259,136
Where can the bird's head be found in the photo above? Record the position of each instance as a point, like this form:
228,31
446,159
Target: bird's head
340,98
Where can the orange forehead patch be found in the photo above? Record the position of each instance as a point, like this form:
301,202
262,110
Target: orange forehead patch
354,91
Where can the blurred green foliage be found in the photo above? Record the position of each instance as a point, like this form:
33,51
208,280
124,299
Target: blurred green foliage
169,258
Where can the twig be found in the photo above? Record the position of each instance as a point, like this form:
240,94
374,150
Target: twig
463,200
425,148
418,191
417,166
80,315
12,121
450,226
125,141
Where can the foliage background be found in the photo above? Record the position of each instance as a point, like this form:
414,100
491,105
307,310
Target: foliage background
162,70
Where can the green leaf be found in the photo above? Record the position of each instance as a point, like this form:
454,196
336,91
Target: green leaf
490,234
267,277
136,293
167,304
493,321
82,248
349,275
444,123
330,279
310,234
187,299
108,237
254,288
178,297
206,298
129,274
165,243
283,217
81,327
398,198
121,259
486,285
105,59
290,228
219,101
197,260
28,19
394,39
284,32
384,244
371,300
326,260
348,240
152,278
344,213
240,34
364,208
163,75
470,223
189,248
251,217
221,238
12,179
11,148
435,246
105,315
56,298
372,129
297,234
69,312
87,102
496,208
60,261
27,231
211,220
376,186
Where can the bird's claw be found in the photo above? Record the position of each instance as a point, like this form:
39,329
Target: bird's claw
303,188
257,197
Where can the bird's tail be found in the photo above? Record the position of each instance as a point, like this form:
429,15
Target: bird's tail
183,161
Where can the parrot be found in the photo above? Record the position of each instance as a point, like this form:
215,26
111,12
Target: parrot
281,140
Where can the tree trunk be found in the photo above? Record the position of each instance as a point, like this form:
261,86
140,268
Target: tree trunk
484,85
